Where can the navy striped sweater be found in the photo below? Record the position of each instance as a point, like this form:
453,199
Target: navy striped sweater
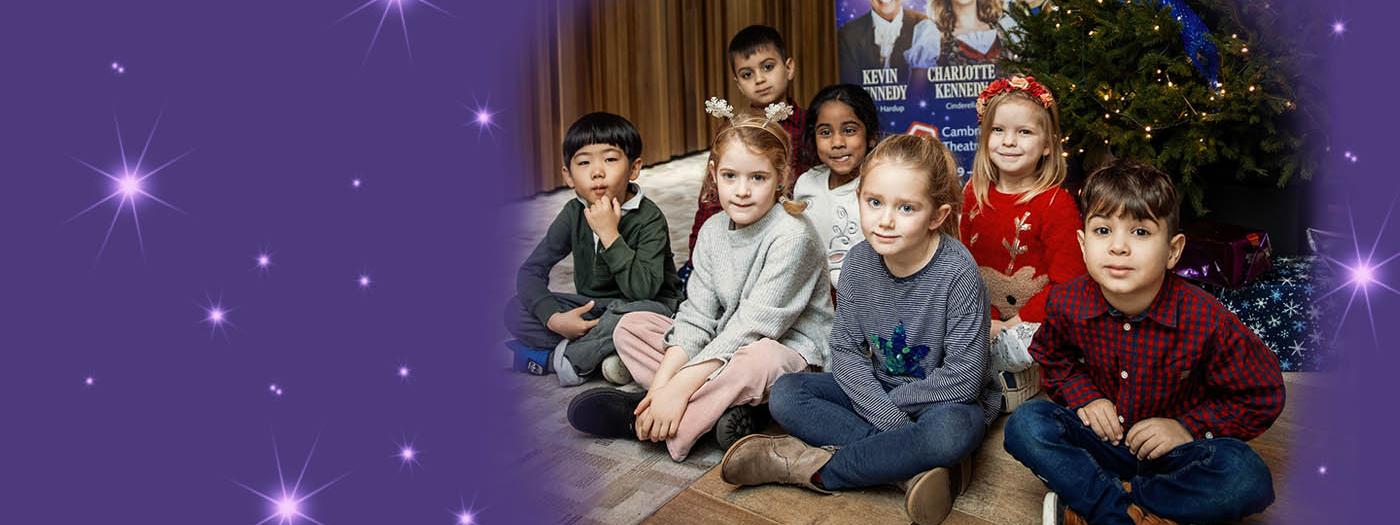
899,345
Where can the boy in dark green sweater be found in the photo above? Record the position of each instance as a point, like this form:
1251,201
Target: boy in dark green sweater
622,255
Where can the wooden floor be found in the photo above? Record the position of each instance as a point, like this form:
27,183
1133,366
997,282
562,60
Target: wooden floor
1002,491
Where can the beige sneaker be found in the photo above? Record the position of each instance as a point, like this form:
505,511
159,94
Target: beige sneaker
615,371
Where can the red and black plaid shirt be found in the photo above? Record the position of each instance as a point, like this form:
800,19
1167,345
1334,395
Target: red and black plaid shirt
801,162
1185,357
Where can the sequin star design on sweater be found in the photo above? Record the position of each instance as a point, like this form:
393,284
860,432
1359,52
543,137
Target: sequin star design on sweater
900,358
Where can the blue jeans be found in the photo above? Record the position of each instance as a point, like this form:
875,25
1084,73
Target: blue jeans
813,407
1204,481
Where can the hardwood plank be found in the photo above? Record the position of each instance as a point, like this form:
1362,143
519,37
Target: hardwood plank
695,507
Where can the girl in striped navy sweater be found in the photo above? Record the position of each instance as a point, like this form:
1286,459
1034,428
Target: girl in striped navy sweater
910,394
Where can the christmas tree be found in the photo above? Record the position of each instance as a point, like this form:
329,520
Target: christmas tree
1201,96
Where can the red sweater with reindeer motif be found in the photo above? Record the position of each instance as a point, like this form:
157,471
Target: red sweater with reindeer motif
1022,249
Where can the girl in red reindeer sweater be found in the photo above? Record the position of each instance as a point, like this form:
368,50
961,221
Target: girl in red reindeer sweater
1018,222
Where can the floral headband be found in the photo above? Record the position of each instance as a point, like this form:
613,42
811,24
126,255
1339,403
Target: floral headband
1035,89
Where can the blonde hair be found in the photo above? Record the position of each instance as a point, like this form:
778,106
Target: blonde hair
762,137
923,154
1051,168
941,12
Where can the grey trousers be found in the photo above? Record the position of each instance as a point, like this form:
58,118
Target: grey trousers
586,352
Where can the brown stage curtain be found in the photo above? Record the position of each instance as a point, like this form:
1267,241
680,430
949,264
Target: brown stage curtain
654,62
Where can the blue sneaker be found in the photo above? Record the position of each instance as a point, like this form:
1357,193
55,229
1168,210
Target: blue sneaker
529,359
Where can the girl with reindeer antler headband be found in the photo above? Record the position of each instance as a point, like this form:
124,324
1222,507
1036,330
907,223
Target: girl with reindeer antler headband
758,306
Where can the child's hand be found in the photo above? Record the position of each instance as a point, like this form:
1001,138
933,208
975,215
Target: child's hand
1013,321
1154,437
602,216
1102,417
659,414
570,323
997,326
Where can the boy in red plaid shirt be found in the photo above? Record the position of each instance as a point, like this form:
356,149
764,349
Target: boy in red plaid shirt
1155,384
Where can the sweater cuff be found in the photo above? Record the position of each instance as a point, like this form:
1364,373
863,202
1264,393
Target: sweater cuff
546,307
617,256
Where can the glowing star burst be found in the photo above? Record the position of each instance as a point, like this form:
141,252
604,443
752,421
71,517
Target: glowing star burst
263,261
216,316
356,183
1339,27
363,280
403,372
287,504
129,185
118,68
407,454
1363,274
391,5
465,514
482,116
1322,470
89,381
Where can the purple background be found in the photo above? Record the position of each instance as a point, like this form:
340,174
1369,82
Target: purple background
1356,424
282,110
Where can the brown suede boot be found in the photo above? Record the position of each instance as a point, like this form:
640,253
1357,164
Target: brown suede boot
1140,516
757,459
929,495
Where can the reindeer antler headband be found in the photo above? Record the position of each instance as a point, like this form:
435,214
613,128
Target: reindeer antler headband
775,112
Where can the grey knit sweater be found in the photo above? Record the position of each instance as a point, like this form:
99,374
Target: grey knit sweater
766,280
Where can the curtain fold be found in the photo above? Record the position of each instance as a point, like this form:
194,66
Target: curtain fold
654,62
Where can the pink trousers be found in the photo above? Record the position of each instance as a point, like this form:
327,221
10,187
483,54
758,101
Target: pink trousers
640,342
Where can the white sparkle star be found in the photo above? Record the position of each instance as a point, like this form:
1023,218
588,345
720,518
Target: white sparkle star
118,68
363,280
394,5
263,261
465,514
482,116
1322,470
403,372
286,506
89,381
356,183
129,186
407,454
216,316
1362,274
274,389
1339,27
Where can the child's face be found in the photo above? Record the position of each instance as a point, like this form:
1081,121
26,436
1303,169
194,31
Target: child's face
747,184
895,210
1127,256
1017,141
763,76
597,171
842,140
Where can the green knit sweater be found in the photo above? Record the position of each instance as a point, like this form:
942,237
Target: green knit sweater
639,265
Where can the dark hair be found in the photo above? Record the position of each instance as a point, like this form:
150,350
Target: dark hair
603,128
851,95
1138,190
753,38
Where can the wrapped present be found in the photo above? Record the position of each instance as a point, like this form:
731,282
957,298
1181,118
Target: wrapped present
1283,309
1223,255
